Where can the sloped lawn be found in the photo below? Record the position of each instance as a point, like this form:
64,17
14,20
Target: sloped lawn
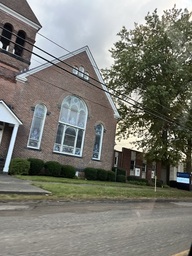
77,189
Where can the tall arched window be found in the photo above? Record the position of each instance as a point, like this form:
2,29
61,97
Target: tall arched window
37,126
6,35
20,41
71,127
98,142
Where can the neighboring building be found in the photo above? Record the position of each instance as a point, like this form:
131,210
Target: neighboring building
134,164
58,111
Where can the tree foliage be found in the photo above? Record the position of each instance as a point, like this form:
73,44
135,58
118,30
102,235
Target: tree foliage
153,61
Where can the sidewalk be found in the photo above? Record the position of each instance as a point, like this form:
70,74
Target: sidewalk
12,185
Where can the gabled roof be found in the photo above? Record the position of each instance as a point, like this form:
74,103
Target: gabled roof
7,114
21,7
23,77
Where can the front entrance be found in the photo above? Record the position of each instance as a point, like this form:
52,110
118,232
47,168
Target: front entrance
7,116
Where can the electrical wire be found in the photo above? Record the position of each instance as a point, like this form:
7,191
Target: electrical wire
135,104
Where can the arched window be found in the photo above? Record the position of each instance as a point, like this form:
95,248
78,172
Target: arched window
20,41
71,127
98,142
6,35
37,126
81,71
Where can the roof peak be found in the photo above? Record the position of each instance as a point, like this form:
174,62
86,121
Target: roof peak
21,7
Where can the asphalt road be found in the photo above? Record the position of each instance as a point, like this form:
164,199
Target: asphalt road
95,228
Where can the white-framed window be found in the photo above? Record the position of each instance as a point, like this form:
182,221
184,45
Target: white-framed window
37,126
75,70
71,127
99,129
86,76
81,71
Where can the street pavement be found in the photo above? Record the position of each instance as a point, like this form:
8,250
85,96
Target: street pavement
95,228
91,228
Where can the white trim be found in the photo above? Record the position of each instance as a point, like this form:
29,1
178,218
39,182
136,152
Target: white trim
66,125
101,142
9,115
23,77
19,16
40,130
11,147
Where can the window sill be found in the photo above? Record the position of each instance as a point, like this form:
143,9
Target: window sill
36,149
65,154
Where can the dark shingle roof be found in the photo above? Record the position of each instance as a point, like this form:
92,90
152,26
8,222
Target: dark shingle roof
21,7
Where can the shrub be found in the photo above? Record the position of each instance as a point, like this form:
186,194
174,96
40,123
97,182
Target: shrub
52,168
90,173
36,166
67,171
19,166
137,180
119,171
173,183
121,178
101,174
110,176
159,183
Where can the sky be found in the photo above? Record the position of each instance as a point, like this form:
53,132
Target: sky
73,24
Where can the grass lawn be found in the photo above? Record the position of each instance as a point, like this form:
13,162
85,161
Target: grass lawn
76,189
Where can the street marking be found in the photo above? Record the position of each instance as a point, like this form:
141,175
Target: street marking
184,253
13,207
183,203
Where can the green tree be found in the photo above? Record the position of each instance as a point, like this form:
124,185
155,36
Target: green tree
153,61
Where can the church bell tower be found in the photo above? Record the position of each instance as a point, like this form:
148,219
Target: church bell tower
18,28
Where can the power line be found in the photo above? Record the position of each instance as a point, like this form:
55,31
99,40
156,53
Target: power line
135,104
99,70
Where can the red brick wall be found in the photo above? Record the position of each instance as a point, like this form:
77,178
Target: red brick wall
49,87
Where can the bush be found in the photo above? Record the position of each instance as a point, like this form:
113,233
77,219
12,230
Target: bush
90,173
52,168
36,166
119,171
136,180
173,183
19,166
121,178
67,171
110,176
159,183
101,174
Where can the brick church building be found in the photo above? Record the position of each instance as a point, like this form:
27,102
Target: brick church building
59,111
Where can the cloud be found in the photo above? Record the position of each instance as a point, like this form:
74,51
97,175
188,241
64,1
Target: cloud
74,24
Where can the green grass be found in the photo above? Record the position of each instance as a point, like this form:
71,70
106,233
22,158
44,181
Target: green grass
77,189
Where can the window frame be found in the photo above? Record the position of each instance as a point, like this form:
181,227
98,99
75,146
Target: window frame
67,112
35,127
97,151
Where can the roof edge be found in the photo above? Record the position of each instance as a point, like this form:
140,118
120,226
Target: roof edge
19,16
11,112
23,77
